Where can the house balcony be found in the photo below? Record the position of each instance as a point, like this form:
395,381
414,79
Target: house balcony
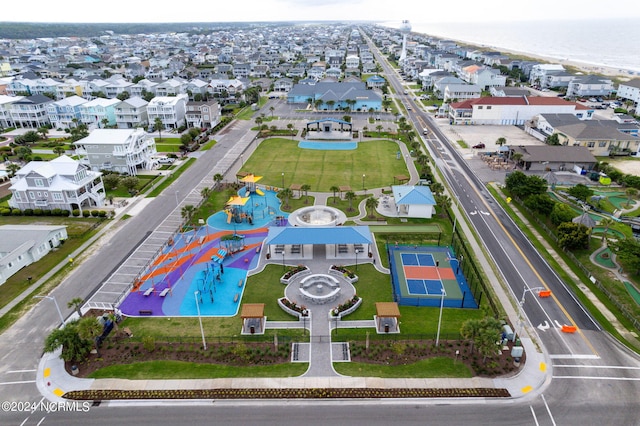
41,203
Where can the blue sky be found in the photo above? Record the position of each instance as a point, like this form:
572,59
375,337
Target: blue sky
312,10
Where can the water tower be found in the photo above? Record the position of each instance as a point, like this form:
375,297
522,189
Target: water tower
405,29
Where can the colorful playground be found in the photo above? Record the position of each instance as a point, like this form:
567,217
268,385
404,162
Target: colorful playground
205,269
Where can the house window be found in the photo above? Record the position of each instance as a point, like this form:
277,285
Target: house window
488,107
57,196
10,265
591,144
32,195
602,144
16,195
39,182
480,107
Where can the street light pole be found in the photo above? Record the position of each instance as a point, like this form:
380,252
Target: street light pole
282,180
363,176
204,343
441,303
55,302
357,251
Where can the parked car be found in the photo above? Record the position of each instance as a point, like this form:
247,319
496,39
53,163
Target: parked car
479,146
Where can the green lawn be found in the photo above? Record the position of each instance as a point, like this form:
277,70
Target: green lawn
323,169
122,192
167,370
427,368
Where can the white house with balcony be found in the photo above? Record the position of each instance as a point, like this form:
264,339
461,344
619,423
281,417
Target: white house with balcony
62,183
630,90
118,150
132,113
171,110
22,245
590,85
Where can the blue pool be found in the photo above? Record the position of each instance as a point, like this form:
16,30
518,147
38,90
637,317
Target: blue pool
328,146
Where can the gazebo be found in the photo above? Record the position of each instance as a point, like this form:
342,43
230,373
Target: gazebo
253,319
387,314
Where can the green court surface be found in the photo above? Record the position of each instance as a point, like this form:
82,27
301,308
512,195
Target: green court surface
604,258
635,294
406,229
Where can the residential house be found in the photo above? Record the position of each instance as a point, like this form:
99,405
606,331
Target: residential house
413,201
22,245
65,113
541,158
171,87
600,137
118,150
539,72
142,87
282,85
352,61
5,110
590,85
62,183
203,114
512,111
132,113
99,112
459,92
508,91
336,96
630,90
169,109
375,82
30,111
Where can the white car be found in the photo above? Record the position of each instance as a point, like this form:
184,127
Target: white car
166,160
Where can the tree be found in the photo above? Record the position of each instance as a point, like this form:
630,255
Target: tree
123,95
74,347
501,141
187,212
286,193
158,125
628,253
290,128
334,189
540,203
330,103
23,153
318,103
580,191
217,178
111,180
630,192
13,168
437,188
488,337
371,204
573,236
379,128
607,222
469,330
553,139
105,122
305,188
205,193
271,109
561,213
522,186
76,303
350,196
130,183
59,150
44,131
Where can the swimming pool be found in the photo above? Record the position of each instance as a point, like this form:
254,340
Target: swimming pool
328,146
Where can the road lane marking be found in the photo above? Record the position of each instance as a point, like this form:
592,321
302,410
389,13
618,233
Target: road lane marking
21,371
574,356
17,383
533,413
608,367
548,409
627,379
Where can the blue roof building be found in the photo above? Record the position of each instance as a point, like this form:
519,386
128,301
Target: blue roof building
413,201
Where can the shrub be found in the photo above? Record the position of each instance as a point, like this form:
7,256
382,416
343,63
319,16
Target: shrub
75,212
149,343
102,213
16,212
37,212
28,212
5,212
94,213
86,213
65,212
56,212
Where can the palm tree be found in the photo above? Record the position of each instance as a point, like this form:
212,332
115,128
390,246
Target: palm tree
259,121
59,150
305,188
379,128
76,303
330,104
516,158
205,193
217,178
630,192
606,222
286,193
334,189
271,109
501,141
290,127
318,103
158,125
437,188
44,131
110,198
187,212
371,204
13,168
350,195
104,122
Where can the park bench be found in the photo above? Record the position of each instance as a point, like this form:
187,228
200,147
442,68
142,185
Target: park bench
145,312
164,292
148,292
236,297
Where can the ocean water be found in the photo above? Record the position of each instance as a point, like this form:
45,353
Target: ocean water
612,43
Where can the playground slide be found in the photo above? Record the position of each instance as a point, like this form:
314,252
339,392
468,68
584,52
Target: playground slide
259,191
